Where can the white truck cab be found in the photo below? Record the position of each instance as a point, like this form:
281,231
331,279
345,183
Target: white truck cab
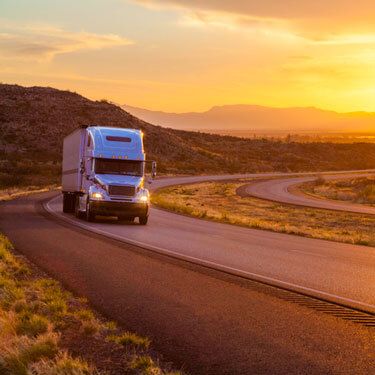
103,173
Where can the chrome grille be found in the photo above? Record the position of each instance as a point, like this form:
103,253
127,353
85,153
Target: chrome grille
128,191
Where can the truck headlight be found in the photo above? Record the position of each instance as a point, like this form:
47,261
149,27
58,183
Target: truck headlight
97,195
144,198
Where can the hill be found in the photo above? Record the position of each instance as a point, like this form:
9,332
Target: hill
252,118
34,121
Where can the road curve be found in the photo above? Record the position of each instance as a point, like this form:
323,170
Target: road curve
285,190
337,272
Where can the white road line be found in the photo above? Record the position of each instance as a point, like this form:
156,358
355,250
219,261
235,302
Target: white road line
265,279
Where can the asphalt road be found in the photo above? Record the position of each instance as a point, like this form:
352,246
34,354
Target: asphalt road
286,191
206,322
338,272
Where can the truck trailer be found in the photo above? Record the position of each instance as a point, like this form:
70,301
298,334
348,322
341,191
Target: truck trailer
103,173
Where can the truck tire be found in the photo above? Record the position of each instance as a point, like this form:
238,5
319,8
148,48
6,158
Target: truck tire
90,216
77,212
68,202
66,205
126,219
143,220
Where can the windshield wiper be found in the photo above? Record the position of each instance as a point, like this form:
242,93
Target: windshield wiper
128,174
121,173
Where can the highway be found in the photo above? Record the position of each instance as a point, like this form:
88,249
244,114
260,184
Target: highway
286,191
200,319
339,272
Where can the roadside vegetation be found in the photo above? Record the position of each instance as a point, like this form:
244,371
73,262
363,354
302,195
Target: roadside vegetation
218,201
45,330
357,190
10,193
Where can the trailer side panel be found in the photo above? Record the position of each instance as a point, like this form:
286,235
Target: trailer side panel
72,156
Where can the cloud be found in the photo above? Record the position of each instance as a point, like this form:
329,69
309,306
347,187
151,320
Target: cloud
44,42
362,39
256,27
286,9
313,20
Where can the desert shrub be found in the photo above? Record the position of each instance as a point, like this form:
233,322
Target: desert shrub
10,292
320,180
84,315
31,324
143,363
8,180
22,351
62,365
90,327
369,193
128,338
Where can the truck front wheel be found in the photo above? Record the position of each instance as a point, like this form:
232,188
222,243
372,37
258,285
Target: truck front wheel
143,220
78,213
68,202
90,216
126,219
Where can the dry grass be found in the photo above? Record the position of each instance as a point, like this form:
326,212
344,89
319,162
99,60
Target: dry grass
63,364
37,314
7,194
145,365
129,338
218,201
31,309
357,190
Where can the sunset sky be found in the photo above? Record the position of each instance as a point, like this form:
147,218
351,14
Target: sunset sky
189,55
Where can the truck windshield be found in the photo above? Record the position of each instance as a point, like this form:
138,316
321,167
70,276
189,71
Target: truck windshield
115,166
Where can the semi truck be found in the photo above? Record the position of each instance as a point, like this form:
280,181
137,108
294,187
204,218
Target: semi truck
103,173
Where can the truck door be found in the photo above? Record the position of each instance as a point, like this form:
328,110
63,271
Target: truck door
88,160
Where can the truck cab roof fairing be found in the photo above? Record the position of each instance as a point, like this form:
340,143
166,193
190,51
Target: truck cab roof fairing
116,143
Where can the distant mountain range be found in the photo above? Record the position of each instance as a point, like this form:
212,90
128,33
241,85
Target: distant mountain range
258,119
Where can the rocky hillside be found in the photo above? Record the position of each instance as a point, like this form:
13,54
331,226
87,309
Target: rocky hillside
34,121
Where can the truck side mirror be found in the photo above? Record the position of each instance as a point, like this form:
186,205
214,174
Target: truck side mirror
153,169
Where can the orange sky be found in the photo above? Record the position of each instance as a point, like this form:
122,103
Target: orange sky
188,55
